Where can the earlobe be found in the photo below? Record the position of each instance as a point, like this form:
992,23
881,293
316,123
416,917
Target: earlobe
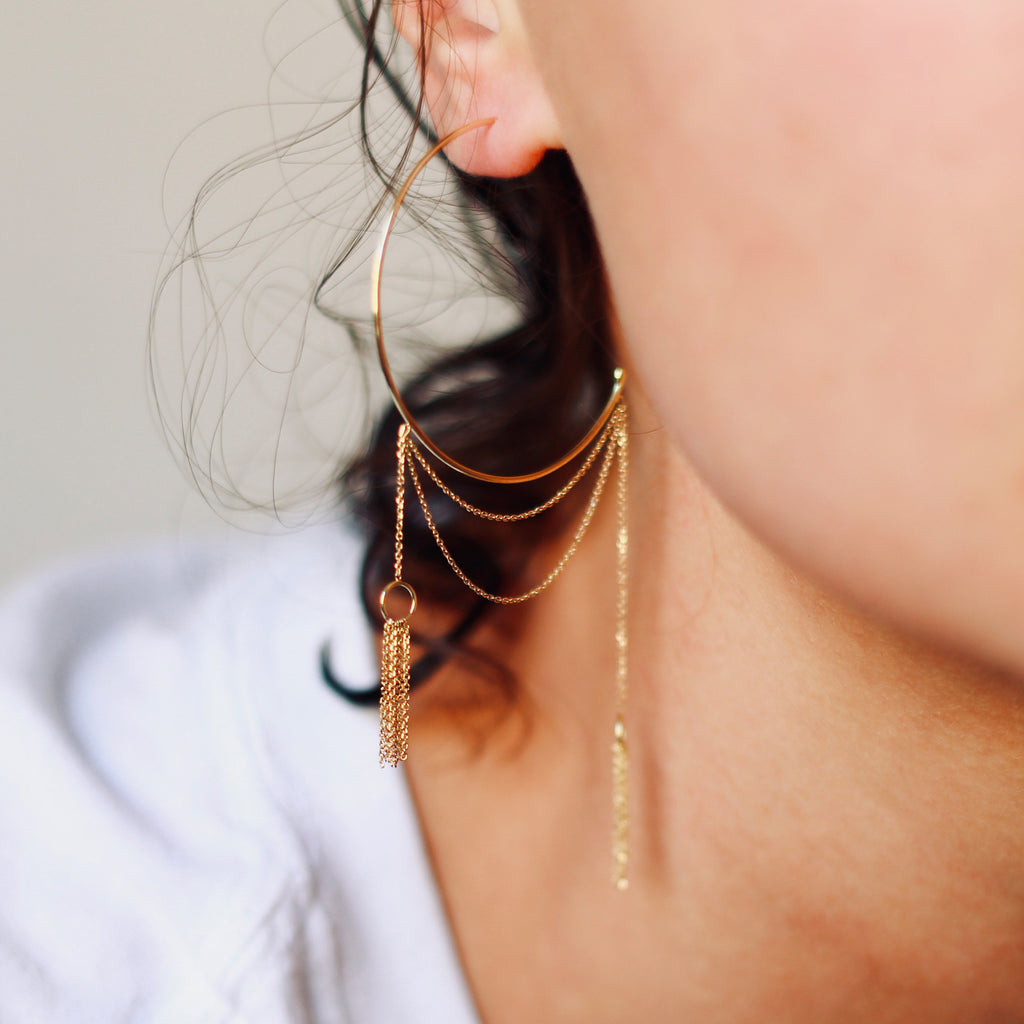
477,65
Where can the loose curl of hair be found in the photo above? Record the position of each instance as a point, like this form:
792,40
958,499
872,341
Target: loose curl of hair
505,405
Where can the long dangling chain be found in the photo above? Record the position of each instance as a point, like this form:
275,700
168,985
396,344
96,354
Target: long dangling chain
620,751
612,444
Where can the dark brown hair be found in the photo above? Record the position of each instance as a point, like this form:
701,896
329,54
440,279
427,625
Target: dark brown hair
505,405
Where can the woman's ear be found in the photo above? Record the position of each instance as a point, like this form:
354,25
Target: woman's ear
477,64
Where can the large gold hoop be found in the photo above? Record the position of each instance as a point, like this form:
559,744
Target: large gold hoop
618,377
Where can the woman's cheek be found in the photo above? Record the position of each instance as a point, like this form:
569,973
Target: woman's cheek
813,219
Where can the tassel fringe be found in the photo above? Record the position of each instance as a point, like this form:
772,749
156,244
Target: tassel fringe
394,693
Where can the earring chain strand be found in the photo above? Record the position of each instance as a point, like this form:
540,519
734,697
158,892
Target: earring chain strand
610,453
403,443
515,517
620,749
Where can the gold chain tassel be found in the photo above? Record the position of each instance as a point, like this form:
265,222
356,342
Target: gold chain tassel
394,692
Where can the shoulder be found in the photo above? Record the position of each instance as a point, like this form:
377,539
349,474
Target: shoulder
156,863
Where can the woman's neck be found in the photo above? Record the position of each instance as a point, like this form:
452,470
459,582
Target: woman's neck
803,778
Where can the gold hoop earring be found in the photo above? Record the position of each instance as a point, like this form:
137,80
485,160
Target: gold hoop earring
376,279
607,441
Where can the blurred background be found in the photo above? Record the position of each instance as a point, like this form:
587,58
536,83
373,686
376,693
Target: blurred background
115,114
101,100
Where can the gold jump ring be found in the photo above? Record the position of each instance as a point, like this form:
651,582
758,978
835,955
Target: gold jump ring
384,600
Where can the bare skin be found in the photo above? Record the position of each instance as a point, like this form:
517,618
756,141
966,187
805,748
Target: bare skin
830,193
828,821
812,217
813,223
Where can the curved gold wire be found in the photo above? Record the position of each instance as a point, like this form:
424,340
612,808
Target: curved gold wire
618,377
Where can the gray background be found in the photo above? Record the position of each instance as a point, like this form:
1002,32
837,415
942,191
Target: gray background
97,98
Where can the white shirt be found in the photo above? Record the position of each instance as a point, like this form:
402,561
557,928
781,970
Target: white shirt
193,827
